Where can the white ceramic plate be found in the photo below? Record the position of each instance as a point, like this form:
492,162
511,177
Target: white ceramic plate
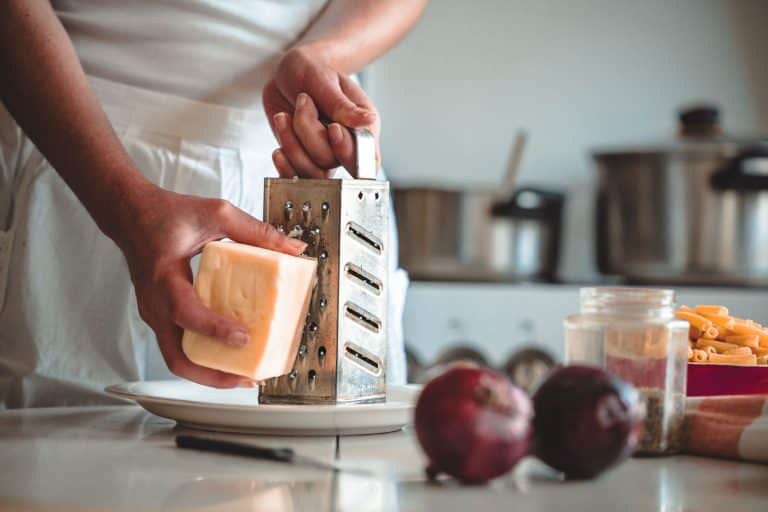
238,410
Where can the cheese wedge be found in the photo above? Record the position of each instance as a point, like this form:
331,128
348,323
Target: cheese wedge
266,291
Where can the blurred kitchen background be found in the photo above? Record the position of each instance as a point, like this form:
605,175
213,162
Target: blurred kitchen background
530,89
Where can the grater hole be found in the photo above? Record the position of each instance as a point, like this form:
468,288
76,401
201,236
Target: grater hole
362,317
312,375
325,208
376,195
359,196
363,358
362,278
365,237
321,352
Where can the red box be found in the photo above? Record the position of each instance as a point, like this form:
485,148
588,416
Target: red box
706,379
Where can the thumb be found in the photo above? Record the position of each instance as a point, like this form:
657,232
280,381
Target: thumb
335,104
241,227
189,313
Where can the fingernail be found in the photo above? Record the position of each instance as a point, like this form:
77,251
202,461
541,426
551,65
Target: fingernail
297,244
334,132
238,339
248,383
301,101
281,121
364,112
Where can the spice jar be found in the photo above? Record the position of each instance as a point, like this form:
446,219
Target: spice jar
633,333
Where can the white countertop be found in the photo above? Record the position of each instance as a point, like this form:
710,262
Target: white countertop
123,458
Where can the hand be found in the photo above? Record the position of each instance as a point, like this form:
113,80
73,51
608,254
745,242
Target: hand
305,90
162,234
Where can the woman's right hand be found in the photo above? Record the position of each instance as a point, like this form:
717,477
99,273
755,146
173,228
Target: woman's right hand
159,234
305,90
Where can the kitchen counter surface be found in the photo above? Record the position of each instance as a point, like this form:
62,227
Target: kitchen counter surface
123,458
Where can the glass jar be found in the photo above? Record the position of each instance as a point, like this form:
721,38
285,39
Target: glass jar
633,333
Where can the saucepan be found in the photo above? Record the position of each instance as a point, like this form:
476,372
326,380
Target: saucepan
693,210
502,234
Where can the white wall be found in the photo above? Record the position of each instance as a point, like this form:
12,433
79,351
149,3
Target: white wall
575,74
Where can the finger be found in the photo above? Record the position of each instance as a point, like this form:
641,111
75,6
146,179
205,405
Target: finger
293,150
356,93
274,102
283,166
335,104
189,313
241,227
169,341
343,146
312,133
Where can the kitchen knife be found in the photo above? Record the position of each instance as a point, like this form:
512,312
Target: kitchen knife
285,455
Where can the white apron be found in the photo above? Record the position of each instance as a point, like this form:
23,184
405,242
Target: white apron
69,323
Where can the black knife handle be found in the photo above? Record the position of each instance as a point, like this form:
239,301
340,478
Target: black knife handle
233,448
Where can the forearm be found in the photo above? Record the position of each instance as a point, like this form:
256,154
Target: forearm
352,33
45,89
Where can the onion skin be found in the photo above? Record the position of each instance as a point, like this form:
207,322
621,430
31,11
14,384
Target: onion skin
473,424
587,421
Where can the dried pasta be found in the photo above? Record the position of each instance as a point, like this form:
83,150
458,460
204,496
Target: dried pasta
719,346
700,356
711,310
741,351
696,320
718,337
747,340
732,359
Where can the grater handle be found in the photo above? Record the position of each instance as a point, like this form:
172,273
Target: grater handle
365,144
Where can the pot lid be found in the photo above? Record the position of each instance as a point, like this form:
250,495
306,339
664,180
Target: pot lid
699,132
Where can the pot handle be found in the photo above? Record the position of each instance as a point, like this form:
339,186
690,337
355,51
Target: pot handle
601,233
746,172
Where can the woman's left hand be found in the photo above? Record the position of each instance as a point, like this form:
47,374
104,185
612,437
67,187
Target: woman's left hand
305,91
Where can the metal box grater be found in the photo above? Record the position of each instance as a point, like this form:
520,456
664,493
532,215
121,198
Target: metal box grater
345,222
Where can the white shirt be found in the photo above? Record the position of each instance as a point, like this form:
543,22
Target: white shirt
213,51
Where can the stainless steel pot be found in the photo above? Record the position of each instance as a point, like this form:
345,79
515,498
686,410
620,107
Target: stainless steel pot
471,235
694,211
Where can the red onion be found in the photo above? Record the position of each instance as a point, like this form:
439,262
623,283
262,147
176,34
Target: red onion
473,424
587,420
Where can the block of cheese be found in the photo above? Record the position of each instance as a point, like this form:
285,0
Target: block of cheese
266,291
